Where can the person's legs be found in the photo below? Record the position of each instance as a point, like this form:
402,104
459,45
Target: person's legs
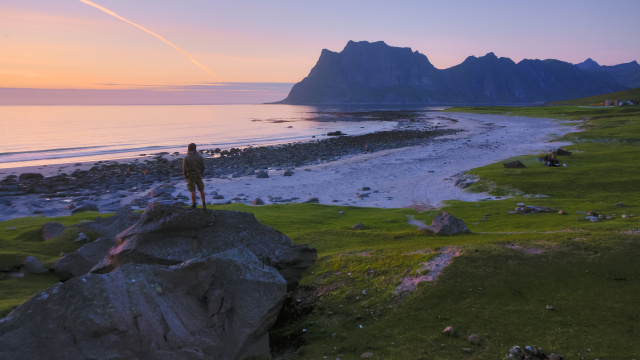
204,203
193,199
200,186
191,186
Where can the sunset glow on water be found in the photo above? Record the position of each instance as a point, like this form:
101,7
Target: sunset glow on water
41,135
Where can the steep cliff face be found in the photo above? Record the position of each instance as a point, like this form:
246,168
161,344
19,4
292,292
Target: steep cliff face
367,73
377,73
627,74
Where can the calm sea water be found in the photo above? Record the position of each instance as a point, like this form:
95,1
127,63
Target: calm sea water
41,135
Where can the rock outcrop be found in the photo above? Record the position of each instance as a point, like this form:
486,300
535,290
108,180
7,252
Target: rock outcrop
169,235
447,224
218,307
179,284
89,255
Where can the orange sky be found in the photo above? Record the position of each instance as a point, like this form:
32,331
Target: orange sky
72,45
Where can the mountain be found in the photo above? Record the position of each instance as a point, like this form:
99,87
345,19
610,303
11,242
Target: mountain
627,74
376,73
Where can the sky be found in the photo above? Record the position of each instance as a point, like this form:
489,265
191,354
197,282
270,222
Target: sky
253,51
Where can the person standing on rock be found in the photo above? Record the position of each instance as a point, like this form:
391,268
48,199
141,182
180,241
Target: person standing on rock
193,169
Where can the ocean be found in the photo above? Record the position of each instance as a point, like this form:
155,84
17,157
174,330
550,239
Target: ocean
44,135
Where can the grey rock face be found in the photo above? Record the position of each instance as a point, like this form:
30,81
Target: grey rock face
179,284
83,260
446,224
218,307
169,235
51,230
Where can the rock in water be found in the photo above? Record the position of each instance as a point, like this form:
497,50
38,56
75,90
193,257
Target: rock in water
218,307
446,224
168,235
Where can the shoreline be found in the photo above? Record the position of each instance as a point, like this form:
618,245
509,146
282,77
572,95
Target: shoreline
412,166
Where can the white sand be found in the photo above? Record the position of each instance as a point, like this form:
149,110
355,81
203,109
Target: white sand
408,177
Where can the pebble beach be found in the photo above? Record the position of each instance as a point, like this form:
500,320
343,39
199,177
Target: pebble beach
414,165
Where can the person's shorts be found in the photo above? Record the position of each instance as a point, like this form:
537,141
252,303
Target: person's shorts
192,184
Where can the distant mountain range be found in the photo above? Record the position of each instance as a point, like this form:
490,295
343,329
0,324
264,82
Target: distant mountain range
376,73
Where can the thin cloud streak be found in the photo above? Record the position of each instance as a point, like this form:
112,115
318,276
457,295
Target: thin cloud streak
105,10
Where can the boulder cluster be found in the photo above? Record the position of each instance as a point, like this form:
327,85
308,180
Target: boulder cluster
175,284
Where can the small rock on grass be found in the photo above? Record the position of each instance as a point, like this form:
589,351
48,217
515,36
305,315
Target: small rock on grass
474,339
32,265
448,330
358,226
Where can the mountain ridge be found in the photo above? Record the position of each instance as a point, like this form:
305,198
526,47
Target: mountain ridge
376,73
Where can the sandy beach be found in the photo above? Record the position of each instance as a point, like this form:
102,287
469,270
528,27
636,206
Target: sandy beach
416,176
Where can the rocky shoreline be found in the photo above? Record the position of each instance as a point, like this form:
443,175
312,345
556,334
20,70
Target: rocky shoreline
81,188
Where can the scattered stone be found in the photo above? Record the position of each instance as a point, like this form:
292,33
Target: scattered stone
366,188
51,230
562,212
313,201
358,226
82,237
261,174
33,266
155,192
625,216
449,330
257,201
336,133
139,202
467,350
533,209
474,339
28,177
85,207
620,204
592,218
288,173
550,307
366,355
446,224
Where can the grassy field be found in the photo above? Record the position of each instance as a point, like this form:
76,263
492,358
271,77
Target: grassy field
632,94
511,266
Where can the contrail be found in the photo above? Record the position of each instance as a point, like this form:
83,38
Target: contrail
102,8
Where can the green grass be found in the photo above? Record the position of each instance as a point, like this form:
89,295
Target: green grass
347,304
20,238
632,94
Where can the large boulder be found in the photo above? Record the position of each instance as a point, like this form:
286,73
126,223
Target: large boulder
89,255
169,235
447,224
111,226
83,260
217,307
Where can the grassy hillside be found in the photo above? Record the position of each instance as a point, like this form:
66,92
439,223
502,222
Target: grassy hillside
511,266
632,94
